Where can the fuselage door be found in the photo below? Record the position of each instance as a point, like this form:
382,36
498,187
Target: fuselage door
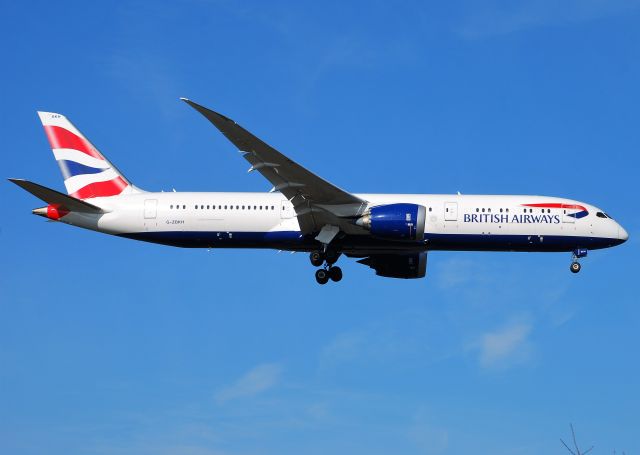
451,211
565,215
150,209
286,210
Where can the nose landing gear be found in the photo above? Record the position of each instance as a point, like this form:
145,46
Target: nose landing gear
575,267
328,270
577,254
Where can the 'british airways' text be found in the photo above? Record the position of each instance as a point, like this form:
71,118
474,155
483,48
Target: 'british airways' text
505,219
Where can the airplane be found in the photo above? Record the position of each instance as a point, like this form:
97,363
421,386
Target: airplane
390,233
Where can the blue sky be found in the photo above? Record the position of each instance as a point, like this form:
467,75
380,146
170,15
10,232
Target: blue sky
109,346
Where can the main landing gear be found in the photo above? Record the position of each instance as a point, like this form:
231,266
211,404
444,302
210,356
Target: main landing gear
577,254
328,270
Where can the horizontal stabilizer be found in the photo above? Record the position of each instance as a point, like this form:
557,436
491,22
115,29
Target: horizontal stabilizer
54,197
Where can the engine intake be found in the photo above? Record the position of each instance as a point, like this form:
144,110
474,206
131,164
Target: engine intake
395,221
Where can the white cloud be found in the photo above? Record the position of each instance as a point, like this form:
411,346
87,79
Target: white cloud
429,438
456,272
506,346
518,16
344,347
255,381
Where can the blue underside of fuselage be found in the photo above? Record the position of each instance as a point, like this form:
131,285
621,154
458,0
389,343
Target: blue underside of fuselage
295,241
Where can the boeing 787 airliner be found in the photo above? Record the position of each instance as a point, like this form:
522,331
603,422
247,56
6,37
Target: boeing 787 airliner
390,233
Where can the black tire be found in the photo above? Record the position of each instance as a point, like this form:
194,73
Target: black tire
316,258
335,273
322,276
575,267
331,256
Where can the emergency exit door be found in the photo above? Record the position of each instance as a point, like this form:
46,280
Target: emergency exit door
451,211
150,209
286,211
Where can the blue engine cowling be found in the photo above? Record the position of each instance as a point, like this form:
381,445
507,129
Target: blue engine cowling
395,221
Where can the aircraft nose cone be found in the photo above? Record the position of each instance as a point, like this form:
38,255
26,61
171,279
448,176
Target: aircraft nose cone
622,234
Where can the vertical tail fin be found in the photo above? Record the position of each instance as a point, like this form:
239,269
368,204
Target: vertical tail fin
86,172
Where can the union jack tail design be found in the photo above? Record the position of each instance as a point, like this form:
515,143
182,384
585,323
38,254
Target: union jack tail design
86,172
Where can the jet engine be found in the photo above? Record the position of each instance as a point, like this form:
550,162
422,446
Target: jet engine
395,221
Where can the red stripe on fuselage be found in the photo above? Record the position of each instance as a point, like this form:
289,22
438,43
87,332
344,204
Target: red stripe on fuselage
61,138
101,189
552,205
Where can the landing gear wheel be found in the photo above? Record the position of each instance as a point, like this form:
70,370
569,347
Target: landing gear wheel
575,267
316,258
331,256
335,273
322,276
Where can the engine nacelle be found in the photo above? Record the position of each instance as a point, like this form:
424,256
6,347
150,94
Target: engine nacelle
395,221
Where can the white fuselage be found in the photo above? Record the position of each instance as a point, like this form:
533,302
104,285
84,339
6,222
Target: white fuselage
268,220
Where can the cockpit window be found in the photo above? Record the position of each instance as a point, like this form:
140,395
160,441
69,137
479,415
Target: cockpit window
608,216
601,215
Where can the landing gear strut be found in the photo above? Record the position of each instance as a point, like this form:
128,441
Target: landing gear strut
577,254
326,259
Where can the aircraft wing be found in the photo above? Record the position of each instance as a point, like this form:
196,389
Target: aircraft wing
317,202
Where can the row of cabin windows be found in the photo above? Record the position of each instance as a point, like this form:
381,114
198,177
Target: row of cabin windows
526,210
489,210
226,207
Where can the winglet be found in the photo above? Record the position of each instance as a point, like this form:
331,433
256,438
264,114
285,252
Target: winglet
214,117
